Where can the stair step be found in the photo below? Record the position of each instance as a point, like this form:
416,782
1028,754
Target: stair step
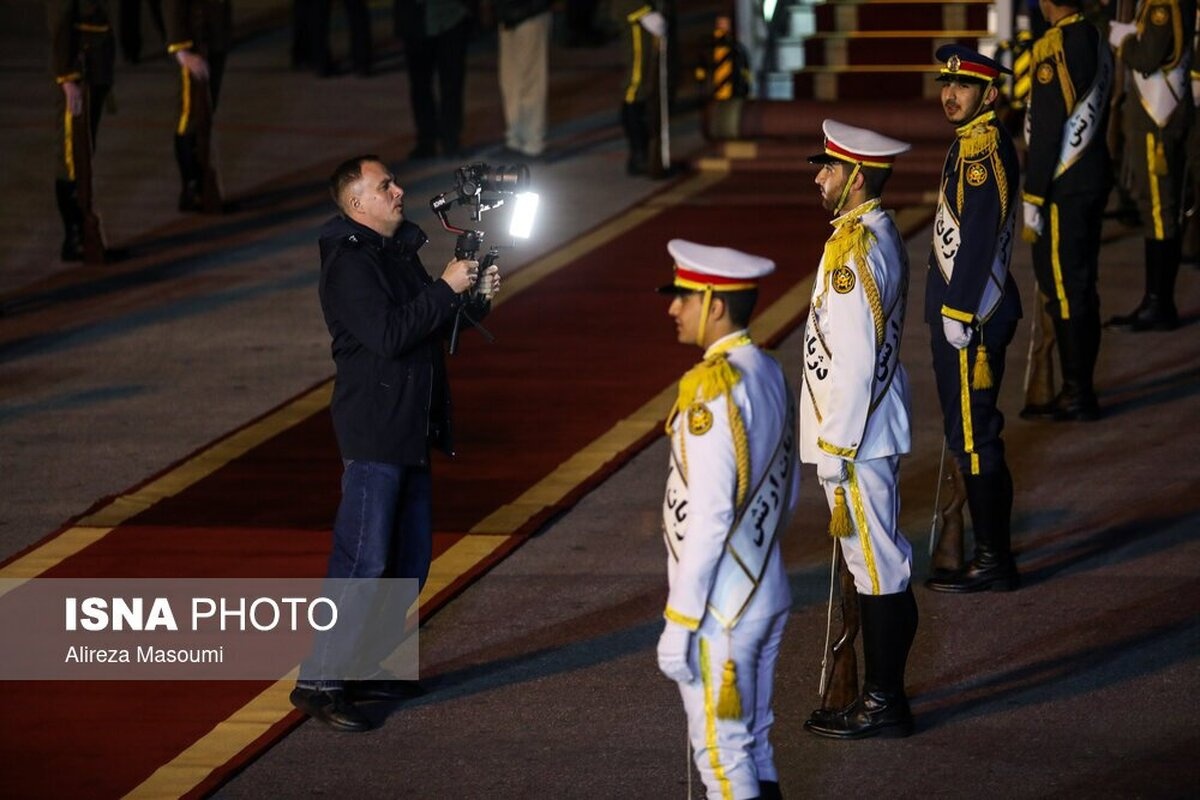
885,15
866,81
792,129
865,49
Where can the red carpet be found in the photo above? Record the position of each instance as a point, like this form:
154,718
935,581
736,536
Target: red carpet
578,350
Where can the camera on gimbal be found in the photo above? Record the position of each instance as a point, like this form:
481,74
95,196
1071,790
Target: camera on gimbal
482,187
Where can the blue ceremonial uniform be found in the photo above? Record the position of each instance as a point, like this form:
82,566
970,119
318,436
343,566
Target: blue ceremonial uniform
969,281
972,306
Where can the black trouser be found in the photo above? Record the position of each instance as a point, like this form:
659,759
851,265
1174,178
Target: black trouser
971,418
439,119
358,19
1066,255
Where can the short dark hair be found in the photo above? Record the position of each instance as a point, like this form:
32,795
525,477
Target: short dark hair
739,305
347,173
874,179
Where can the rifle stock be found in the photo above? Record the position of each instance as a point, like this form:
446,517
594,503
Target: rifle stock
842,688
81,147
948,555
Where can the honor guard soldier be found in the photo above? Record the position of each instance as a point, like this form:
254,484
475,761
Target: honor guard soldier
972,307
854,417
1067,180
732,484
644,32
1157,49
199,35
83,50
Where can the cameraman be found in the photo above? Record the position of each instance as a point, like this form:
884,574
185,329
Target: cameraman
391,401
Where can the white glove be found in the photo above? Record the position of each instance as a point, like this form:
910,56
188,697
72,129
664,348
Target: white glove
655,23
489,283
830,469
1033,217
74,97
957,334
1117,31
673,647
194,63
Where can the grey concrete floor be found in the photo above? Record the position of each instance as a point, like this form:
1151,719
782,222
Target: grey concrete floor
542,672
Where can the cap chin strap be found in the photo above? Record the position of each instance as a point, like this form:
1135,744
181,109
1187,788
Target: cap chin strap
837,210
705,305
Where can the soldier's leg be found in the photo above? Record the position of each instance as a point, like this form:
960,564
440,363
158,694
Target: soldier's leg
985,471
452,76
64,181
721,747
358,19
1159,186
419,54
638,49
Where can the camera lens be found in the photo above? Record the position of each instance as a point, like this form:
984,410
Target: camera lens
508,179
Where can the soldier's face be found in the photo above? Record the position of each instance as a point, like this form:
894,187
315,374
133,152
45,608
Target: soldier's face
685,310
962,100
376,200
831,179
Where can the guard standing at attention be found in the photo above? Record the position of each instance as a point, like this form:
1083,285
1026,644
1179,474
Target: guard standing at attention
199,36
854,417
1157,49
644,34
83,50
1068,176
972,307
732,484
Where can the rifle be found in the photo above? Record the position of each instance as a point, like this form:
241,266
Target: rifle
658,161
947,555
81,147
210,187
839,685
1115,136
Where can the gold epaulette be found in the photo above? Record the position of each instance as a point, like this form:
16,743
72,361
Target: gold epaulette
851,241
1049,44
978,143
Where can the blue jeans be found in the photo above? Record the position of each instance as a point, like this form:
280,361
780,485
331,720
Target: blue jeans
383,529
384,525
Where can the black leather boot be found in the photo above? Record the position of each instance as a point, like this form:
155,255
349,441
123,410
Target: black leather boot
1077,398
1162,314
1157,310
889,623
637,132
72,219
191,197
990,500
769,790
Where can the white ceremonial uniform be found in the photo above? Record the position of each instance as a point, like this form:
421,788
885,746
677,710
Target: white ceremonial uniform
854,402
700,511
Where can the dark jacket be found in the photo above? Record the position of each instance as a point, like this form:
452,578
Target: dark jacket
1065,69
979,196
388,319
511,13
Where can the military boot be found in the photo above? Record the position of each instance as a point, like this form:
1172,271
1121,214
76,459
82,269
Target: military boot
637,132
1077,398
889,623
191,194
1157,310
72,220
990,499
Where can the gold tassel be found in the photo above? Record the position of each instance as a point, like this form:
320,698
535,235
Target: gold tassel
729,702
839,524
1160,158
983,370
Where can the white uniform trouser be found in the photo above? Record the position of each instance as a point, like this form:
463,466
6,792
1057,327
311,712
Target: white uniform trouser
733,755
524,67
878,555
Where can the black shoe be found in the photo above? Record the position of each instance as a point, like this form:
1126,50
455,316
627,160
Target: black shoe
72,246
1075,408
876,713
390,690
1150,315
1038,411
190,197
332,708
769,790
986,571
